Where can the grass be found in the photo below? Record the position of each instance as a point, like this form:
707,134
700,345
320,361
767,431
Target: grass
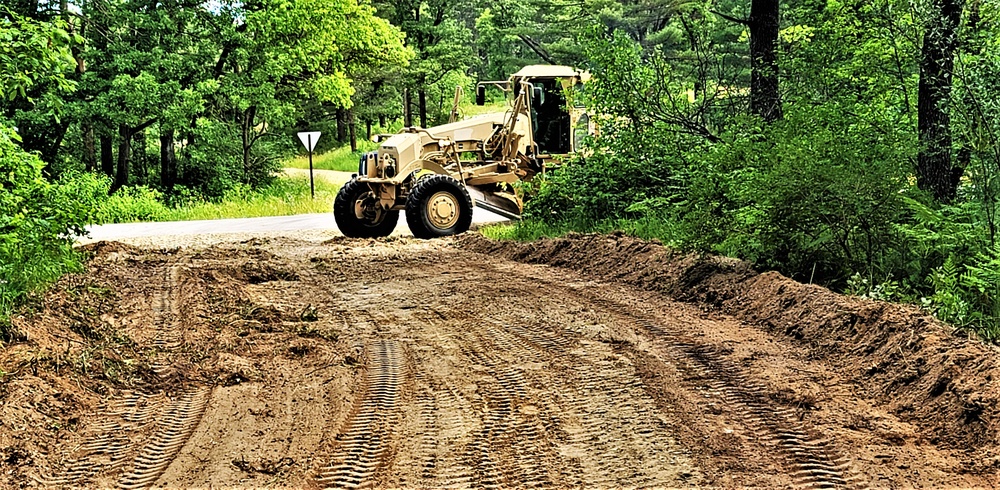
27,268
287,196
468,108
648,228
341,159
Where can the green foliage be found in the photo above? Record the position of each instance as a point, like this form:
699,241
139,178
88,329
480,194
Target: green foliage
133,204
37,222
280,198
650,227
32,53
811,191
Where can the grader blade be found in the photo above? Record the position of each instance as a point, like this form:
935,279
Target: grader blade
504,204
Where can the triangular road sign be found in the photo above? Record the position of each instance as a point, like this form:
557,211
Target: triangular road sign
309,139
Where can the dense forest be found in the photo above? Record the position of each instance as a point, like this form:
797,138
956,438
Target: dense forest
851,143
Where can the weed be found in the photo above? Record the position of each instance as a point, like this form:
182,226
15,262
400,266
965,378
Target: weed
312,331
284,197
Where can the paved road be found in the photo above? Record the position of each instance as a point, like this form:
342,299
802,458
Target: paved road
299,222
267,225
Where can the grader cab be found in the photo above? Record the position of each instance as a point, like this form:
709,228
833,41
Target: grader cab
436,175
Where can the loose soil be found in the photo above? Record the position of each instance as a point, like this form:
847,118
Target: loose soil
587,361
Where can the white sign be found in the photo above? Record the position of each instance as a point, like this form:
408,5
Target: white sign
309,139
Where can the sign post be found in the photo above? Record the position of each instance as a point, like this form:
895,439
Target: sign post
309,139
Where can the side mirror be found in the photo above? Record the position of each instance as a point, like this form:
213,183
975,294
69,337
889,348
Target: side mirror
480,94
539,96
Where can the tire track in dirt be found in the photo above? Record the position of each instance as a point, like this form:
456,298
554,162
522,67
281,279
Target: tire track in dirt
166,314
364,443
106,446
502,435
175,427
116,437
598,396
176,422
814,458
440,423
553,428
815,461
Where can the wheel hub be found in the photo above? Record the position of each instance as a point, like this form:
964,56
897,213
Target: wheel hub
442,210
366,209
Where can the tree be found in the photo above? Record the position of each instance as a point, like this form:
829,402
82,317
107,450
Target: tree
765,100
441,43
935,172
35,58
38,219
287,52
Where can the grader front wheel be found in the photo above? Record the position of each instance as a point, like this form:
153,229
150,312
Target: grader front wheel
438,206
358,214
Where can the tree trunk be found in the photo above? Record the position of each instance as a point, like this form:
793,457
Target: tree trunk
124,152
247,140
341,125
139,167
422,106
765,99
351,123
186,152
935,172
89,146
368,128
107,155
168,159
407,103
381,121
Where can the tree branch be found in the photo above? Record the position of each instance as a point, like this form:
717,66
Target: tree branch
538,49
731,18
144,125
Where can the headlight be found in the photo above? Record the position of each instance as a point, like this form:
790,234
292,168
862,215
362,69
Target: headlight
388,165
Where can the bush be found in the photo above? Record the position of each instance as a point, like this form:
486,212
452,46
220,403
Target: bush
133,204
812,196
38,222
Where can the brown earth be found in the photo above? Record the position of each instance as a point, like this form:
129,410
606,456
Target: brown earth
589,361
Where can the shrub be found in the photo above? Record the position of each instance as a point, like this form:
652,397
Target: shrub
38,221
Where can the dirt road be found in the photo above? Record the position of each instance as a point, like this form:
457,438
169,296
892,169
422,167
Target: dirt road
450,363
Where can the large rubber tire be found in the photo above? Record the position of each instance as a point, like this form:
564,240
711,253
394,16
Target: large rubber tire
438,206
350,223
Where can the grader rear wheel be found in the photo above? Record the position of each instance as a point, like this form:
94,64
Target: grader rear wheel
438,206
358,215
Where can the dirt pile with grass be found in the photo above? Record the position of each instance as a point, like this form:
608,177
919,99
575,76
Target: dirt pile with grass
896,355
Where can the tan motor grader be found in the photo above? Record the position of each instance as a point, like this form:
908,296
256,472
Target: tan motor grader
437,174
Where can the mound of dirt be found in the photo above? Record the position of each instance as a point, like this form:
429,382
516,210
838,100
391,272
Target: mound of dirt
897,355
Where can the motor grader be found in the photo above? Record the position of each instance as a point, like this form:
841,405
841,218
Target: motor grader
436,175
